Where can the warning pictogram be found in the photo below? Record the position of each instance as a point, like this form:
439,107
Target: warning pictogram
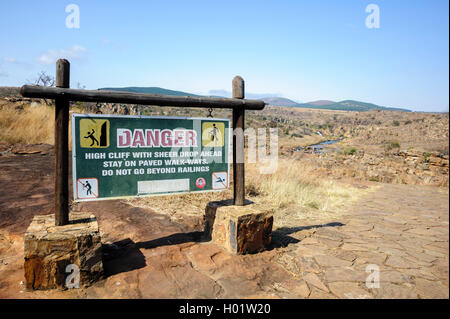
200,182
219,180
94,133
213,134
87,188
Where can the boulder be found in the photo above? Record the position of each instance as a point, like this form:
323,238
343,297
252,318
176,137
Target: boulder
238,229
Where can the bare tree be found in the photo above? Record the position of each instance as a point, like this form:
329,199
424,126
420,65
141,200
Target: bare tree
44,79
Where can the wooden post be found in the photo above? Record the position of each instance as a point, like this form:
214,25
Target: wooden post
238,144
61,146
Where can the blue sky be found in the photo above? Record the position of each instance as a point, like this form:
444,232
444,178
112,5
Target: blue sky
303,50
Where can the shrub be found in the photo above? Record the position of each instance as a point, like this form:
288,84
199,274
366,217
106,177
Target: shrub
392,145
350,151
396,123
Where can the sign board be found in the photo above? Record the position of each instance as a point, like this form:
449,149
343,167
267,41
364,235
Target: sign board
120,156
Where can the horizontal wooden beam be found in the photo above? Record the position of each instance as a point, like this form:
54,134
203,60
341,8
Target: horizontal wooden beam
100,96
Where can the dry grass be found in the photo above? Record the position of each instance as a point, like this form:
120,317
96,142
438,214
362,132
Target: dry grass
32,125
297,192
294,192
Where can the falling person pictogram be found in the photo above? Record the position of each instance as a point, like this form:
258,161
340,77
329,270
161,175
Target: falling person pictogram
92,137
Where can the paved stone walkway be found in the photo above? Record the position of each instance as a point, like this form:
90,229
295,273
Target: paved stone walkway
402,231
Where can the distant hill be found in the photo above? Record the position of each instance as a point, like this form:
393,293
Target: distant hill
351,105
347,105
279,101
321,102
9,91
150,90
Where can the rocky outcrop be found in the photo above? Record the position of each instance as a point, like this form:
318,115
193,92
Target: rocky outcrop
396,167
112,108
52,253
432,159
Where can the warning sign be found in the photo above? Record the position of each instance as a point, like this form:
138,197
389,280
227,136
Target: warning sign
94,133
219,180
118,156
87,188
213,134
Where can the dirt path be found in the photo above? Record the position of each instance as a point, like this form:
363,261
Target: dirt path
401,231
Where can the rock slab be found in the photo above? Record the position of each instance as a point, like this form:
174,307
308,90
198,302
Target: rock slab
50,249
238,229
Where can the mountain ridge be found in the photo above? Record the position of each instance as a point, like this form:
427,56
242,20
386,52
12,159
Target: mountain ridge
351,105
321,102
345,105
149,90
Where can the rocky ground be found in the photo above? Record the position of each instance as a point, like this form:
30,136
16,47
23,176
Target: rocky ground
400,230
409,167
382,146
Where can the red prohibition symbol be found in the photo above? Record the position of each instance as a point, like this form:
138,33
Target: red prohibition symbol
200,182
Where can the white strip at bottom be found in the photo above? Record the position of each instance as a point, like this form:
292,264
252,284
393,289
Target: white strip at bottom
163,186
